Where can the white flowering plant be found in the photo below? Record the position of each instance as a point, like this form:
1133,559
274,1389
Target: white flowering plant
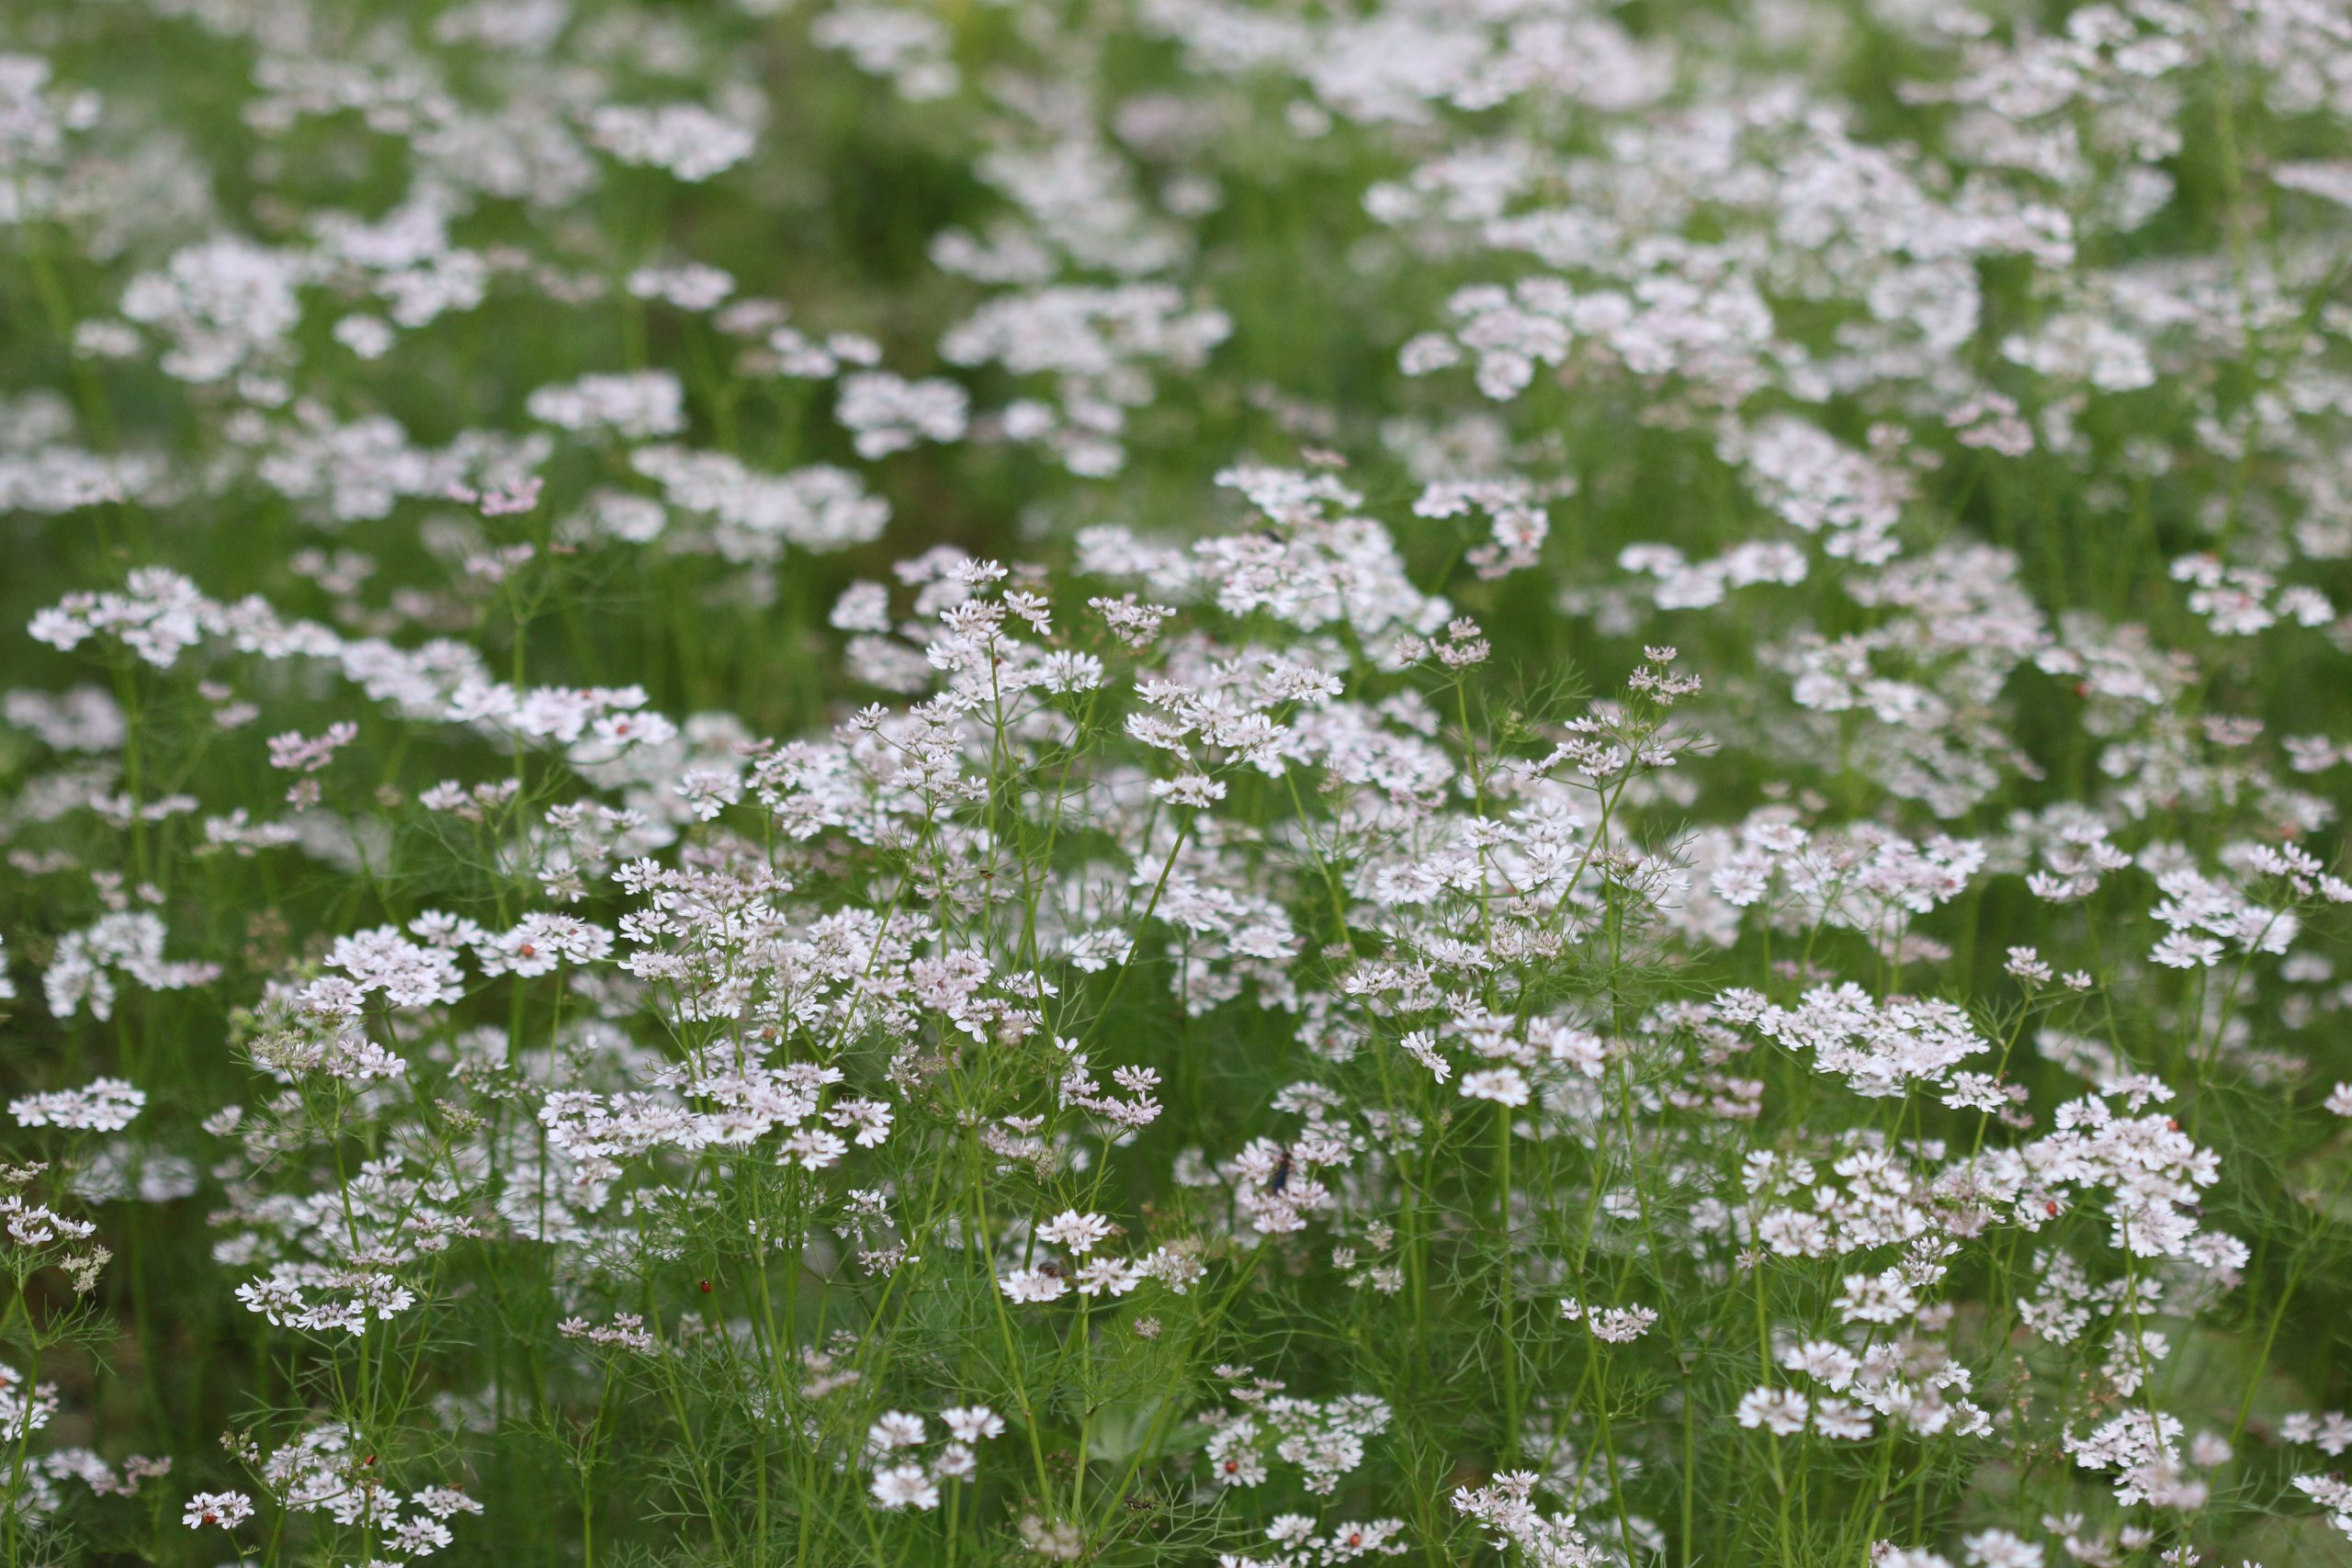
1175,782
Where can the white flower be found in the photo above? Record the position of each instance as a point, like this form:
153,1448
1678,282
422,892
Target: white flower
421,1536
1781,1411
1034,1285
1074,1232
226,1509
2001,1549
972,1422
1504,1085
894,1430
102,1105
1196,790
1884,1297
904,1486
1113,1276
687,139
1422,1046
1841,1419
2179,950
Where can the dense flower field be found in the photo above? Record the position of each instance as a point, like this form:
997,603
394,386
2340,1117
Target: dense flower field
1175,782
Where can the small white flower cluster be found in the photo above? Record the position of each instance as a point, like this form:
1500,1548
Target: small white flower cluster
687,141
1324,1439
1048,1279
900,1481
1612,1326
102,1105
1299,1541
737,722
